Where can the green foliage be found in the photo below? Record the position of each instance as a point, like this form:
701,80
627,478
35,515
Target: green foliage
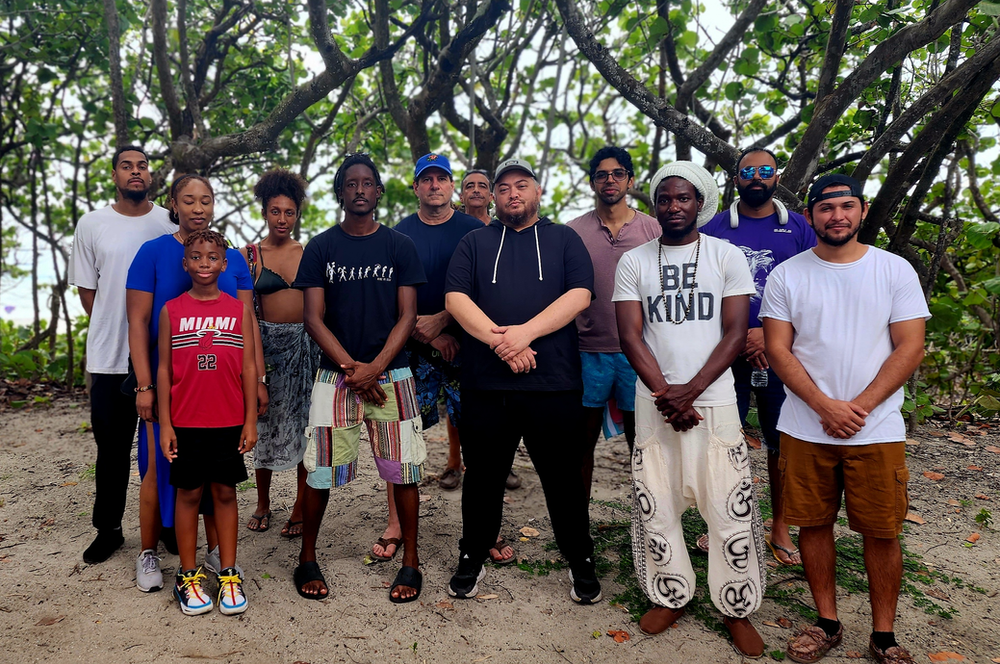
47,363
985,518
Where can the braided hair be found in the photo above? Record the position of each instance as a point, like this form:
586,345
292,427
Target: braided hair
178,186
351,160
208,236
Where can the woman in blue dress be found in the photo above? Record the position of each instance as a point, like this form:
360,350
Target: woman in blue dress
156,276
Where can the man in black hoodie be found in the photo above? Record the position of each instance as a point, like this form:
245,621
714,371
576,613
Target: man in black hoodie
516,288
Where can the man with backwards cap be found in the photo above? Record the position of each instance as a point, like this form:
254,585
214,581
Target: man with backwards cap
682,302
844,328
516,287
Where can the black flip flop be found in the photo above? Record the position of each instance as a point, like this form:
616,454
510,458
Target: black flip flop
409,577
305,573
259,519
287,527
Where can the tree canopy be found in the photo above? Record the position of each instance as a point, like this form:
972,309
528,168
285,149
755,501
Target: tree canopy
900,93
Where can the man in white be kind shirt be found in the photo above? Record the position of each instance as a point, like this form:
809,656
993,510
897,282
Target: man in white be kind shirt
104,244
844,329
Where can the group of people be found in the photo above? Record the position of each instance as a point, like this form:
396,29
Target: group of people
527,331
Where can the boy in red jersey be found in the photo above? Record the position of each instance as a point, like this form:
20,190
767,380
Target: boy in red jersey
208,417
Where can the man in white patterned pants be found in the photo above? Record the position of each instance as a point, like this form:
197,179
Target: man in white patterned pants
682,302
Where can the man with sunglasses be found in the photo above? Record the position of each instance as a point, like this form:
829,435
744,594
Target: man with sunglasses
608,231
768,234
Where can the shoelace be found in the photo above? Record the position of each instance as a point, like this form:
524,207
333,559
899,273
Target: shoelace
231,583
193,580
149,563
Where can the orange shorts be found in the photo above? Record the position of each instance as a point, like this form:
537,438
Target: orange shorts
872,479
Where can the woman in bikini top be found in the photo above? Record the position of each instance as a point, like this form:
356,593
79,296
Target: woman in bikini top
290,354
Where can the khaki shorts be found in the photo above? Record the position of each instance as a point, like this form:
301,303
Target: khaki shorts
872,479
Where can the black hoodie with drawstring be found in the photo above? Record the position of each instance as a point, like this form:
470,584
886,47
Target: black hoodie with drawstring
513,276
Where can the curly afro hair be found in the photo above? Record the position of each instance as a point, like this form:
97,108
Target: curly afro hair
281,182
206,235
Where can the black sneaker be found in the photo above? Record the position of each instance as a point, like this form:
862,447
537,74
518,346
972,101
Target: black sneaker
169,538
586,588
465,583
103,546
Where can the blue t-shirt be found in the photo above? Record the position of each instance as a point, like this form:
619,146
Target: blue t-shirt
360,277
765,243
435,247
157,269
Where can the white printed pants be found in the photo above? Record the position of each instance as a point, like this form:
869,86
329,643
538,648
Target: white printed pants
708,466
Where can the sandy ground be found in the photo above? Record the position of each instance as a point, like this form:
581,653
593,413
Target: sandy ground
55,608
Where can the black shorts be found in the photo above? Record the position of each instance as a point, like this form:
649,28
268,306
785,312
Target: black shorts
207,455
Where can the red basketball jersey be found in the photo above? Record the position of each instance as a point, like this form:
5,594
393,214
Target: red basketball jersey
206,356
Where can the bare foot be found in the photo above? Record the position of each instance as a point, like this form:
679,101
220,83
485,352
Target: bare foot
502,552
390,550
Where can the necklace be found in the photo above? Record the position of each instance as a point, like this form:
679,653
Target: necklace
680,281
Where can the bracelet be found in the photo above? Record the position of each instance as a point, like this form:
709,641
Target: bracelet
146,388
262,380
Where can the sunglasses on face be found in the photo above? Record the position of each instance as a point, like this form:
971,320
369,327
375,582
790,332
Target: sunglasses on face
765,172
618,175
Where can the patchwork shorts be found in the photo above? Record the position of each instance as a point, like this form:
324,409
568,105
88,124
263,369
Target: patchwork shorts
333,436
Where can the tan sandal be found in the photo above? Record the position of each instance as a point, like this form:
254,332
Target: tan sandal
810,644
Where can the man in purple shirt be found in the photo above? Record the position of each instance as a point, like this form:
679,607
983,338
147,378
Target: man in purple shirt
608,231
768,234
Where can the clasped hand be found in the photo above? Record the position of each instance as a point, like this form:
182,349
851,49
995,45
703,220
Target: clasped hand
522,361
841,419
676,405
363,379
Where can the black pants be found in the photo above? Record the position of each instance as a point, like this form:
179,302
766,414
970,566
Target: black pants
114,419
552,425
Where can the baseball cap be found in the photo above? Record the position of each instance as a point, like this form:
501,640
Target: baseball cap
816,190
514,165
432,160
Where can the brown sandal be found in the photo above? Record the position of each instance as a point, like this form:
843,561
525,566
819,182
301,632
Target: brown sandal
893,655
385,543
810,644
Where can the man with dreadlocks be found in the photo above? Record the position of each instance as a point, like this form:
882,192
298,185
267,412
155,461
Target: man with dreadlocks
361,325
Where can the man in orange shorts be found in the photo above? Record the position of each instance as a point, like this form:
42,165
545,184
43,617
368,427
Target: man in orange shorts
844,329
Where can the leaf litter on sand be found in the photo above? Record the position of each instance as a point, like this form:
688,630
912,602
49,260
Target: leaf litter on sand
528,531
945,656
619,635
931,475
913,517
973,538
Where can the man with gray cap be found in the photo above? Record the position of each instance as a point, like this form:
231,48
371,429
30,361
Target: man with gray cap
856,315
682,302
516,287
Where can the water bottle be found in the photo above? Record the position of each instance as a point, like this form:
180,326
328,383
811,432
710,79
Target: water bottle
758,378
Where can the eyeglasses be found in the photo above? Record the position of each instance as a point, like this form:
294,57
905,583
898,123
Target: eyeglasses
618,175
765,172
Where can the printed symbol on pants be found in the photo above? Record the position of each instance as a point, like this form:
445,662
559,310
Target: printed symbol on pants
739,456
637,459
671,589
644,501
740,503
739,597
737,551
659,549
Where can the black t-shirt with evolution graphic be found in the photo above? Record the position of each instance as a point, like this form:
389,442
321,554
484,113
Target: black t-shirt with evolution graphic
360,276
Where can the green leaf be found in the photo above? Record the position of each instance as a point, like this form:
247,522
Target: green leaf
992,285
734,90
980,236
989,8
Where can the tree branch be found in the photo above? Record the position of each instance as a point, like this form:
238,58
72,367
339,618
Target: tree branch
158,10
115,70
835,46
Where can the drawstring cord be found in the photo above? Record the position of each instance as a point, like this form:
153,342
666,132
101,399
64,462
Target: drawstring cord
497,262
538,252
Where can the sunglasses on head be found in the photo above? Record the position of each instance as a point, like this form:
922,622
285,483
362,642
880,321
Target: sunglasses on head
765,172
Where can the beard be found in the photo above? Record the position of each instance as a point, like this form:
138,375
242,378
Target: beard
825,238
520,219
133,195
611,200
756,197
680,233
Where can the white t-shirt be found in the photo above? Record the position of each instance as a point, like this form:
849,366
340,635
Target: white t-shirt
104,245
682,349
841,314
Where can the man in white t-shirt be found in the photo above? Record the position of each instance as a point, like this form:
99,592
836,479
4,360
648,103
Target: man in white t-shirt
104,244
682,303
844,329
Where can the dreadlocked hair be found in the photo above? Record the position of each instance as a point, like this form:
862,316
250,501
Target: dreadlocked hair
207,236
281,182
178,186
352,159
